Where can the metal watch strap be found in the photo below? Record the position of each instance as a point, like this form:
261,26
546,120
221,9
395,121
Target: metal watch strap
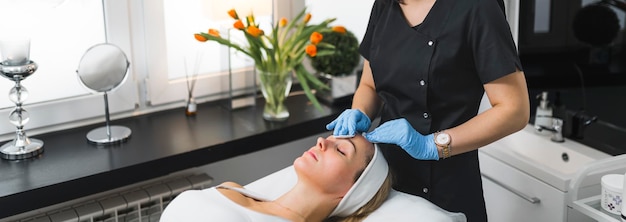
445,150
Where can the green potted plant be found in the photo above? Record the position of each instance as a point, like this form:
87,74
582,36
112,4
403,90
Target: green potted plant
337,70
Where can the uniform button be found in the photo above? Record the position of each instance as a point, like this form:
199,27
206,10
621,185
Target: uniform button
430,43
425,190
425,115
422,83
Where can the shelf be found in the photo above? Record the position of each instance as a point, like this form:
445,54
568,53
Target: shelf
591,207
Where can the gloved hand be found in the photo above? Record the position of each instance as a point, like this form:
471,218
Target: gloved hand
350,122
401,133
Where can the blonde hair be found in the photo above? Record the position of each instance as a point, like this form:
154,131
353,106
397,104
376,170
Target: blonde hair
373,204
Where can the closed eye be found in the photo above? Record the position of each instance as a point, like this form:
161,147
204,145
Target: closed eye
339,150
342,153
345,147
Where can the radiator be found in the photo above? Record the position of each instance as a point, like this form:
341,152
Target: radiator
142,204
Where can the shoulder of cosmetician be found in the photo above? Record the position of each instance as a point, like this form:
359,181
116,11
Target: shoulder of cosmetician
435,75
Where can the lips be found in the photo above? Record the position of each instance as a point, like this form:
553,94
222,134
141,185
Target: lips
312,154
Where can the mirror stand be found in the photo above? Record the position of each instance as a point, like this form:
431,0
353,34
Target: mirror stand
102,69
108,134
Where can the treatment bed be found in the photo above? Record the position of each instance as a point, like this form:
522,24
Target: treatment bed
399,206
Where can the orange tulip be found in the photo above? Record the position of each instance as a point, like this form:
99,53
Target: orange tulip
282,22
339,29
307,17
254,31
233,14
311,50
239,25
316,37
199,37
214,32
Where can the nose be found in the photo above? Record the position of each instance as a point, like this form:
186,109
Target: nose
321,143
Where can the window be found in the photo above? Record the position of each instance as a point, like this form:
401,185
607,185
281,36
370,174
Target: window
174,54
60,32
150,33
49,43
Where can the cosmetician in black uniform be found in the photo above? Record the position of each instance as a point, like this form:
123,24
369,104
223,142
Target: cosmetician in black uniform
427,65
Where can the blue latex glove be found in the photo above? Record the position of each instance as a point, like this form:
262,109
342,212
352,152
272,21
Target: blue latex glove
349,123
401,133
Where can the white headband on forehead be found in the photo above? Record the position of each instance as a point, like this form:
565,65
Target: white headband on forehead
365,187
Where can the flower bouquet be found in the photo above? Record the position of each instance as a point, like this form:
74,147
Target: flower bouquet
278,54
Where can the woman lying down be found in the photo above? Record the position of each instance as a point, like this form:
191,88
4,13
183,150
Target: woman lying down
338,180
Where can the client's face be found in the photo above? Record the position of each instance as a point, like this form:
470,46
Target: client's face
333,163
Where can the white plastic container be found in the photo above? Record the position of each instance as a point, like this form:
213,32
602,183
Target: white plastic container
611,197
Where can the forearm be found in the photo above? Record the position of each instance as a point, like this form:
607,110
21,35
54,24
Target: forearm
365,97
366,100
509,113
485,128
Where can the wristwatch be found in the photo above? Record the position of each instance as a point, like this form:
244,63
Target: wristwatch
443,140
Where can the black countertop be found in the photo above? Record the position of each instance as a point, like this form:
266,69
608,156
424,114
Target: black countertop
161,143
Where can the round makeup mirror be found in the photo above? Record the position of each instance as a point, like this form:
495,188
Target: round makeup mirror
102,69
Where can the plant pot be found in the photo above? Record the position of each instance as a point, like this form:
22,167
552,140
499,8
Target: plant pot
341,88
275,87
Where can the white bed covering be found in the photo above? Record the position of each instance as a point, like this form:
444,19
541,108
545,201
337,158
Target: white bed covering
399,206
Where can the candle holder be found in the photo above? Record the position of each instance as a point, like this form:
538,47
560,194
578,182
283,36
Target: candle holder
21,147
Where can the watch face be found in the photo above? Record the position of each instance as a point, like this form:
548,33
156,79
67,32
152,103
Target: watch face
443,139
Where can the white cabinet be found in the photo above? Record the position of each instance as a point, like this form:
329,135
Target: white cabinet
512,195
526,177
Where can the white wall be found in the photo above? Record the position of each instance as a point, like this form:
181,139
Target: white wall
352,14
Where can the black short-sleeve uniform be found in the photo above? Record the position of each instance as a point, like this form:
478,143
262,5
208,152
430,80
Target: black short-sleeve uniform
433,76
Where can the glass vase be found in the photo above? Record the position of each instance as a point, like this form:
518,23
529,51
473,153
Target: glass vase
275,87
